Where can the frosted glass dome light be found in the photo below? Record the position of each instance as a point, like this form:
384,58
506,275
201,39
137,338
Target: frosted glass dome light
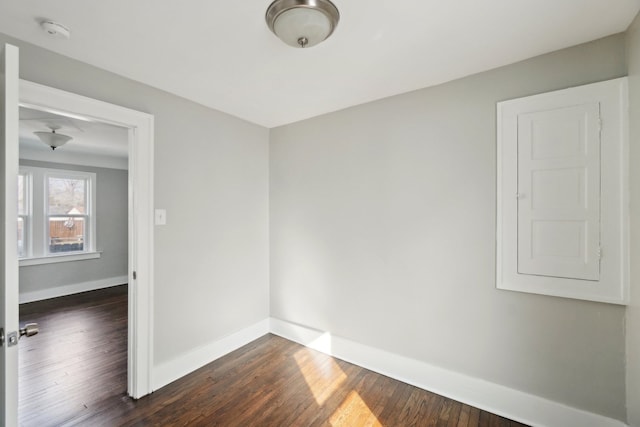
53,139
302,23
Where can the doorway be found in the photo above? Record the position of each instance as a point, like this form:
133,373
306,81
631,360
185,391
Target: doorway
72,244
140,214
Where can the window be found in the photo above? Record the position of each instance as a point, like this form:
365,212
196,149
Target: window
66,213
55,213
23,213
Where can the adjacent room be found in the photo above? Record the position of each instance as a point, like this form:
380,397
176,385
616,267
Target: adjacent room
321,212
73,255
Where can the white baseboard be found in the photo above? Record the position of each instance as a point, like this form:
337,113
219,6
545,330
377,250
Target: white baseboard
170,371
498,399
495,398
75,288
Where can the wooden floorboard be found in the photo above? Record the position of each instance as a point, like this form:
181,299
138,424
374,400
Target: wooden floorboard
74,373
79,358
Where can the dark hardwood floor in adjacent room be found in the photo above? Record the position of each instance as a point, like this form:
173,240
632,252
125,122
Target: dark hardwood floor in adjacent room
78,360
74,373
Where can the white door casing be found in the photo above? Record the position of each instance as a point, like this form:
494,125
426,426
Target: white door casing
562,225
9,257
140,223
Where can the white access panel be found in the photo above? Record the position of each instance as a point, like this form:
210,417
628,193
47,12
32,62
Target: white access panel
559,192
562,223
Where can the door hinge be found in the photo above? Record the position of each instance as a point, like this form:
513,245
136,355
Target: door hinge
135,276
599,125
599,252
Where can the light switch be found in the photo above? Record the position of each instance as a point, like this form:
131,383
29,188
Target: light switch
161,217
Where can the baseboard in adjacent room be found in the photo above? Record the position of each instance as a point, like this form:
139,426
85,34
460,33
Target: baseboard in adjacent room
491,397
60,291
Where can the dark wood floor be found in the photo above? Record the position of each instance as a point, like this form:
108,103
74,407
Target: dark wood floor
78,361
74,373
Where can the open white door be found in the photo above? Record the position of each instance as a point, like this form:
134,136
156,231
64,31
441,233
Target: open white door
8,218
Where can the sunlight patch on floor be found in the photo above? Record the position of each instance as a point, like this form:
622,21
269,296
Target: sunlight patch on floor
324,377
353,412
321,373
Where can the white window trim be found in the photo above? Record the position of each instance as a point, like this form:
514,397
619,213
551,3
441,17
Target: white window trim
52,259
613,286
28,215
38,234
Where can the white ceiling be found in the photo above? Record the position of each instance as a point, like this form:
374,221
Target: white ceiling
93,143
221,53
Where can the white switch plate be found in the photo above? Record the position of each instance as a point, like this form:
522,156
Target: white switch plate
161,216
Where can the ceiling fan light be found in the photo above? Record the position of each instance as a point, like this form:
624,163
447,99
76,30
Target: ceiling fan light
302,23
53,139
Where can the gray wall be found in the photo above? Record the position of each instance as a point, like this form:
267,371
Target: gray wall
211,259
383,227
111,235
633,310
383,231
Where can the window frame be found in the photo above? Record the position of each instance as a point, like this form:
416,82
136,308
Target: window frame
27,216
89,200
38,201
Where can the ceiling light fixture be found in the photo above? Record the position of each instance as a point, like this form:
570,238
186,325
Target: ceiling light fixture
53,139
302,23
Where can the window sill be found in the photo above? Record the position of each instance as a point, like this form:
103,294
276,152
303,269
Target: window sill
52,259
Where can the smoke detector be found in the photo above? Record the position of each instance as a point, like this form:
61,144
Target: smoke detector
55,29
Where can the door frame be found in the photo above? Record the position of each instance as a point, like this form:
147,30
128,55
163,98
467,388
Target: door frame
9,59
140,216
